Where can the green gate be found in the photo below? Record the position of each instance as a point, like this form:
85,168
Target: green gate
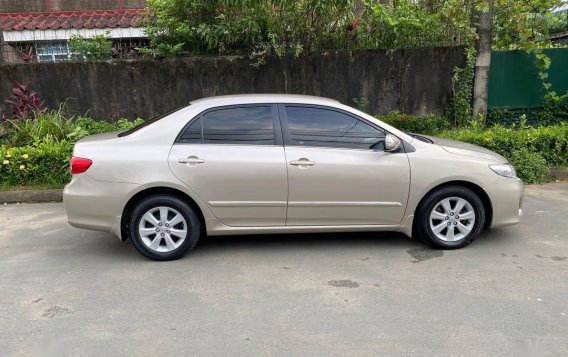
514,82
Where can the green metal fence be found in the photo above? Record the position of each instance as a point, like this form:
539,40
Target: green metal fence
514,82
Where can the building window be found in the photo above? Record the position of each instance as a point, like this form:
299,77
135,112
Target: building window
52,51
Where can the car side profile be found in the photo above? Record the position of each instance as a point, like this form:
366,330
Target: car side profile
252,164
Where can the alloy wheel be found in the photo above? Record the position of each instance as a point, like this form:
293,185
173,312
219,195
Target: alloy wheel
452,219
162,229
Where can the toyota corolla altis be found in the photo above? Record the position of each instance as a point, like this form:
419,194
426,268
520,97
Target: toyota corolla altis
252,164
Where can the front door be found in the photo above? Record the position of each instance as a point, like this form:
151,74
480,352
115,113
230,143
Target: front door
233,158
338,171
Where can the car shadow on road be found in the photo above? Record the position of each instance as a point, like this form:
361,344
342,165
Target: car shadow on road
298,242
301,241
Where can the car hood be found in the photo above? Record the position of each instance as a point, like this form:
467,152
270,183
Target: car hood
466,149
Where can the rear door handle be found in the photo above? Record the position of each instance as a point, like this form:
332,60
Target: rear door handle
191,160
302,162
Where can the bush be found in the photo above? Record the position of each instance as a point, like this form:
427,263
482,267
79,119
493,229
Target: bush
37,151
530,150
551,142
44,163
418,124
57,126
531,167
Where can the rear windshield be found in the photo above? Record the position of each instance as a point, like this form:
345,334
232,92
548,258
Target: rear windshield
150,121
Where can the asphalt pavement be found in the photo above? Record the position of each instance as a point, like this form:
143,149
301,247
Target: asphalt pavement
69,292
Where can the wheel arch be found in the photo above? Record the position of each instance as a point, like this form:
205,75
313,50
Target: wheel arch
478,190
151,191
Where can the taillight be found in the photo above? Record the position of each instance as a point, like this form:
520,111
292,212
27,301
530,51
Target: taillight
80,165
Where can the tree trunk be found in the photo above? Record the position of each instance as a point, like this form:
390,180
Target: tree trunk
482,63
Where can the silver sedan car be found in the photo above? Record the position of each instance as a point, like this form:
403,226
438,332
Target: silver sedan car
253,164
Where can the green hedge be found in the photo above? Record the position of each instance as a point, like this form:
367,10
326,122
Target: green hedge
532,150
418,124
36,152
45,163
551,142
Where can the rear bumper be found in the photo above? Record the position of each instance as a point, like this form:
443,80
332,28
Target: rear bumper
507,200
95,205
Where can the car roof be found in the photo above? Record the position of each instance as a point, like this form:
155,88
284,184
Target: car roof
263,98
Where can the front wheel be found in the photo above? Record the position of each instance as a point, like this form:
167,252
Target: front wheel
450,218
163,227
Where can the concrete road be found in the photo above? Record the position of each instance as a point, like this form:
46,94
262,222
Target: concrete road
65,291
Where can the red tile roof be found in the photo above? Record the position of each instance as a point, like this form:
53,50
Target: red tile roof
74,19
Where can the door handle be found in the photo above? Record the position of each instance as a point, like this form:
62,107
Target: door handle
191,160
302,162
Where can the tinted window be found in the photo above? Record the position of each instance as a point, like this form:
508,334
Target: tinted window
328,128
247,125
192,134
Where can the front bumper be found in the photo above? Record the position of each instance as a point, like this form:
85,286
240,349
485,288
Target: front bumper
507,199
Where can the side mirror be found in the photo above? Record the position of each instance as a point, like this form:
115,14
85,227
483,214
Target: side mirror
392,143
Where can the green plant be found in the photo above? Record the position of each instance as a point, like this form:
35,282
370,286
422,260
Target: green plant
57,125
96,48
24,103
550,142
36,152
48,124
361,104
530,166
459,110
418,124
44,163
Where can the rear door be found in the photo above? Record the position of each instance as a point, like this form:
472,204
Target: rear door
233,158
338,171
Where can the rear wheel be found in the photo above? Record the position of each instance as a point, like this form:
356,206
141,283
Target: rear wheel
163,227
450,218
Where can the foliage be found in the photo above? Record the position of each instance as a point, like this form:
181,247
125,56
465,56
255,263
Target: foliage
361,104
43,163
413,24
419,124
264,27
523,24
96,48
58,126
551,142
37,151
28,56
554,108
24,103
250,27
459,110
531,166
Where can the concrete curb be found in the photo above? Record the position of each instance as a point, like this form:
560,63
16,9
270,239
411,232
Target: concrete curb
53,195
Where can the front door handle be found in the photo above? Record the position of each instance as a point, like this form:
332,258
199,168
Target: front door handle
302,162
192,160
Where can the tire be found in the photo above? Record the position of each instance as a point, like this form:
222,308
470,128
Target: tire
441,226
159,238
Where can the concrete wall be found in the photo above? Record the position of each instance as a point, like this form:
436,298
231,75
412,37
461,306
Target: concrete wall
416,81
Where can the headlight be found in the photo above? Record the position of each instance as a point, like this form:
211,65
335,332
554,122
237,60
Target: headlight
506,170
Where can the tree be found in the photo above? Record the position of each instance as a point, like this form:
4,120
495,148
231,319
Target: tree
96,48
482,62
